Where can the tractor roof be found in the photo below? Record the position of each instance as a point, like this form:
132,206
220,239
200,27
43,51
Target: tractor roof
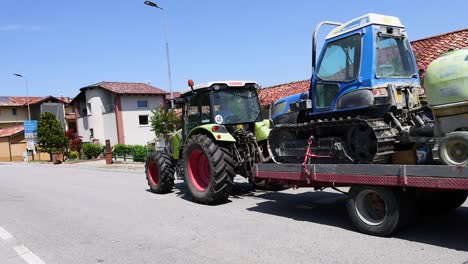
209,84
363,21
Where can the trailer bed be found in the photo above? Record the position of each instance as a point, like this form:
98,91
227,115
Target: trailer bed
323,175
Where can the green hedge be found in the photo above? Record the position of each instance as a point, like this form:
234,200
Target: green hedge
91,150
138,152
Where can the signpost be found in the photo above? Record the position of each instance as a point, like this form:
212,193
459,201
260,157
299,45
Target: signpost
30,134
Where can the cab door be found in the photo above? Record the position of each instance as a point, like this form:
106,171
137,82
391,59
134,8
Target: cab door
338,71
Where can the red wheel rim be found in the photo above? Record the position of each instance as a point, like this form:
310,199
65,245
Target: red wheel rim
153,173
199,170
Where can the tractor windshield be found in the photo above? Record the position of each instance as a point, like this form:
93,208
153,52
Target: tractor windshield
235,106
394,59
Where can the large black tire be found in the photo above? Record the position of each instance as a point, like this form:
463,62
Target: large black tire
440,201
160,172
376,210
208,170
454,199
453,149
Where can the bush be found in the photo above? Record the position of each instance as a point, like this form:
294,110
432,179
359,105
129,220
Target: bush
121,149
91,150
73,155
139,153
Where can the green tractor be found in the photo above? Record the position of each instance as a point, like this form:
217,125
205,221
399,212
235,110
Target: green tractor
223,134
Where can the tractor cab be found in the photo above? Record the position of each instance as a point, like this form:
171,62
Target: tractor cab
228,104
366,62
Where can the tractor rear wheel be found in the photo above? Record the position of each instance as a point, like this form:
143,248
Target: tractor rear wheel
159,172
208,170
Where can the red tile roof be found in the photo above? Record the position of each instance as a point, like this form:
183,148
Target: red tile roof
270,94
428,49
128,88
174,94
23,100
10,131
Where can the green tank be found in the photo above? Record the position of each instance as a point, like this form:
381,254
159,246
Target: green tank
446,79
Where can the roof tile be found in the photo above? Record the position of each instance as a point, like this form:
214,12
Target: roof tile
128,88
23,100
428,49
270,94
10,131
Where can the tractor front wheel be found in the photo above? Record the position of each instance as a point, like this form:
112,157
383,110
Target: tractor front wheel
159,172
208,170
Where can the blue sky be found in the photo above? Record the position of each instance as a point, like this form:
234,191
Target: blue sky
64,45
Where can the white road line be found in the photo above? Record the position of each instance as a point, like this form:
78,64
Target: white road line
27,255
4,234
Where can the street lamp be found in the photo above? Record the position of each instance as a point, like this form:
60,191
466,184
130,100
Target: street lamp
149,3
27,92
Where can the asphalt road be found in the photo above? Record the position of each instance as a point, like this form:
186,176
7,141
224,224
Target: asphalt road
58,214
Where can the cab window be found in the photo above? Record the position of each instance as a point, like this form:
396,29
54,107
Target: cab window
341,60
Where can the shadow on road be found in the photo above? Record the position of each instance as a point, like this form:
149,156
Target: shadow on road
449,230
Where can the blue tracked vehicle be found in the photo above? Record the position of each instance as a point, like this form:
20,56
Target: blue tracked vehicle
363,99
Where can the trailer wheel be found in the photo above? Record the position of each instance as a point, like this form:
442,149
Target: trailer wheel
443,201
209,171
159,172
376,210
453,200
453,148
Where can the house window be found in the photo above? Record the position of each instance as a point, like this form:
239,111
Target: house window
13,111
143,119
142,103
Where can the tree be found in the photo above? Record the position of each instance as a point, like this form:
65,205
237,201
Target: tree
163,123
50,134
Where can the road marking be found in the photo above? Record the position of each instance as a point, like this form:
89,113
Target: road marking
4,234
27,255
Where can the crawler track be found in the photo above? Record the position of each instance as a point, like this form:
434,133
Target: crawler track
366,140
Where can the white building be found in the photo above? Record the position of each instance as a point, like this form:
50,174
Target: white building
117,111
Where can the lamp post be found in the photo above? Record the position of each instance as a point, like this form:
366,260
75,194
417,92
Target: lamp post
27,92
149,3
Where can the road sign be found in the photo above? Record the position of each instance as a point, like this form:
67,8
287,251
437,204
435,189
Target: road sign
30,131
30,126
30,144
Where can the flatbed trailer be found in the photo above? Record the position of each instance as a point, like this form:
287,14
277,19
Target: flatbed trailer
382,198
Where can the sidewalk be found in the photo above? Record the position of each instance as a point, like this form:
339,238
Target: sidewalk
88,164
101,164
